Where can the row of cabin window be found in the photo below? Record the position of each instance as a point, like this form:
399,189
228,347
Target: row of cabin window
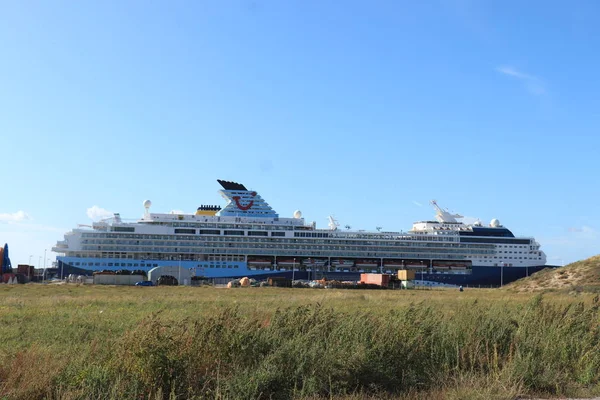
77,264
227,232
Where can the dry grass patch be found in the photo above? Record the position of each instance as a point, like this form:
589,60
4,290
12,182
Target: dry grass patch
580,276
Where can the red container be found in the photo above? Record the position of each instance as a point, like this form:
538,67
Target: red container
375,279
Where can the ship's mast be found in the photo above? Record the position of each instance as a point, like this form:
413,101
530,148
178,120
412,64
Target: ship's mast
333,224
444,215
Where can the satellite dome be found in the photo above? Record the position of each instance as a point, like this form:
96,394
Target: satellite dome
297,214
147,203
495,223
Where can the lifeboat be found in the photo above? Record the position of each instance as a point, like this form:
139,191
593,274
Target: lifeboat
259,262
342,263
287,262
313,262
367,263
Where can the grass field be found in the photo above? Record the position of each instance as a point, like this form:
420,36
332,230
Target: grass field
79,342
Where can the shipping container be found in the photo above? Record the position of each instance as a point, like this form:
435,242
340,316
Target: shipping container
375,279
406,275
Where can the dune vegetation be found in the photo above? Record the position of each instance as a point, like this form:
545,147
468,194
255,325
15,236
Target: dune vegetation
82,342
580,276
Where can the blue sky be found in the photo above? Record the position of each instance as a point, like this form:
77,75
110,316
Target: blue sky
364,110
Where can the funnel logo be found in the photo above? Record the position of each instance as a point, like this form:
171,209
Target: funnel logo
240,205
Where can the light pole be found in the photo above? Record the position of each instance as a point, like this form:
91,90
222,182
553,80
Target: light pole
421,273
29,263
502,274
293,271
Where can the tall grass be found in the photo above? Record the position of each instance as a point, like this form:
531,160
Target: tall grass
484,349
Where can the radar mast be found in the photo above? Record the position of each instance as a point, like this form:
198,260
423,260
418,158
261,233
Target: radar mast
333,224
444,215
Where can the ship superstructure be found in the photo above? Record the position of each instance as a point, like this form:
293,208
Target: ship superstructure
248,238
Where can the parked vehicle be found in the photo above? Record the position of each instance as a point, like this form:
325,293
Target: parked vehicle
144,283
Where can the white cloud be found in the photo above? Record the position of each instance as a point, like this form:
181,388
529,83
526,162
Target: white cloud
416,203
18,216
96,213
587,230
533,84
513,72
576,244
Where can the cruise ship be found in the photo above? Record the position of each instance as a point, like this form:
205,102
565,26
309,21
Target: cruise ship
247,237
